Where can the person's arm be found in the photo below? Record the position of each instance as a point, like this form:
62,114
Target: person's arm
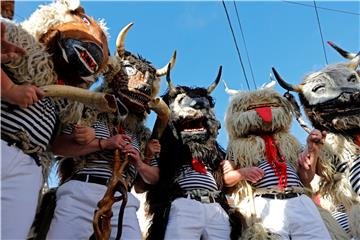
67,145
9,51
233,176
149,174
307,163
21,95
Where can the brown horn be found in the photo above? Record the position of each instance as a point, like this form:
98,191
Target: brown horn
120,46
163,115
168,79
216,82
163,71
342,52
285,85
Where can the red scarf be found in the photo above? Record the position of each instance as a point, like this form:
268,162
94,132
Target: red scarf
279,166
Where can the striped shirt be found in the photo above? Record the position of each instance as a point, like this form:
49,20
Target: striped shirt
342,220
355,175
38,121
271,180
189,179
100,163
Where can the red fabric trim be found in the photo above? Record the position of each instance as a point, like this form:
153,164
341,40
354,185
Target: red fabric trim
279,166
198,166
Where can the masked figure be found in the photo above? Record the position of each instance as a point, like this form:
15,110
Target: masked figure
331,100
188,202
58,46
135,83
269,168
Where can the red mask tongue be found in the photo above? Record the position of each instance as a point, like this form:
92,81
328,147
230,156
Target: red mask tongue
265,113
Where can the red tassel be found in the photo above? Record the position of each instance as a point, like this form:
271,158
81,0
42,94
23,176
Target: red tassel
198,166
279,167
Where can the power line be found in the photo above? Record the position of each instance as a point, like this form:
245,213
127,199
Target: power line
236,45
246,50
323,8
322,38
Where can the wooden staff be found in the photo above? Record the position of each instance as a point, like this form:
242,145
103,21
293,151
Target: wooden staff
102,217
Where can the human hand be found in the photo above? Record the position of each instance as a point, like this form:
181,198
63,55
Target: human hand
9,51
133,155
22,95
84,134
315,142
227,166
252,174
153,148
118,141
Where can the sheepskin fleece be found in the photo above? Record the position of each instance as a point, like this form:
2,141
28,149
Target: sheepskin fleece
336,187
50,15
36,67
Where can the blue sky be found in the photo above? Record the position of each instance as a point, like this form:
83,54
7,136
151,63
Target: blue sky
277,33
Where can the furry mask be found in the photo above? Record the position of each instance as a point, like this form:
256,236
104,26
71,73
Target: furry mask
132,79
331,97
249,113
193,117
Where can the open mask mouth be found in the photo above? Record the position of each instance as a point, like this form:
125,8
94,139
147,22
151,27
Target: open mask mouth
85,57
347,104
193,126
136,101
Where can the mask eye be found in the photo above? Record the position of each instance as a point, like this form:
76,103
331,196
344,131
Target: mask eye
318,87
85,20
352,78
129,70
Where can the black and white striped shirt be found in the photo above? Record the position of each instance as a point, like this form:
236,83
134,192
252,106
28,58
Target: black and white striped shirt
271,180
189,179
38,121
100,163
342,220
355,175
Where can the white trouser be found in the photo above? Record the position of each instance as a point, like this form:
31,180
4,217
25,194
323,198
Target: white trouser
190,219
76,202
21,181
293,218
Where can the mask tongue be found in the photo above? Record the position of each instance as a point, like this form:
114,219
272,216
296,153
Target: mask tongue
265,113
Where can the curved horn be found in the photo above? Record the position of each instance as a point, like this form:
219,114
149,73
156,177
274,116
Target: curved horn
342,52
228,90
169,82
285,85
162,71
101,101
120,46
216,82
354,63
163,115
